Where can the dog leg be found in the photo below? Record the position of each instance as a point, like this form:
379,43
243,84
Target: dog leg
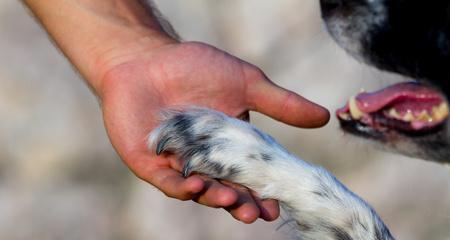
216,145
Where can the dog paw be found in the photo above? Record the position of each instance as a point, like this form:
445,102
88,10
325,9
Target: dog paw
216,145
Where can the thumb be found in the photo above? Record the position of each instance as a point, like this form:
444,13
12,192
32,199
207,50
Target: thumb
283,105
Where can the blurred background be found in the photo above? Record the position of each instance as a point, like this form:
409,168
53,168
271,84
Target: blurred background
61,179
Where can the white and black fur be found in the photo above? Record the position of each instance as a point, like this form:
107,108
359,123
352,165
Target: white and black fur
216,145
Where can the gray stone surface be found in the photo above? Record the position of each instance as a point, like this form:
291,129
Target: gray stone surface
60,179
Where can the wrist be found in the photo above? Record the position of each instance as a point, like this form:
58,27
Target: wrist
96,35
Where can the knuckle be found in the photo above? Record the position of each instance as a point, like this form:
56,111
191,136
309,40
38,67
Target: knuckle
254,73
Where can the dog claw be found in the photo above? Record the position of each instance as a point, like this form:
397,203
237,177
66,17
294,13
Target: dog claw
187,170
161,147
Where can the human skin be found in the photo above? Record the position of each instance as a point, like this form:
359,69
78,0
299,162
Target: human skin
136,69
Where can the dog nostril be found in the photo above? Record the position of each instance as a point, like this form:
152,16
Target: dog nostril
329,6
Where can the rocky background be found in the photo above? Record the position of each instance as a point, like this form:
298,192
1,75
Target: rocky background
60,178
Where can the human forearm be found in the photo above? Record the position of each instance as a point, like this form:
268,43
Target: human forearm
93,33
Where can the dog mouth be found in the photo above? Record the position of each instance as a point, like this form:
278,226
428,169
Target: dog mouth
405,107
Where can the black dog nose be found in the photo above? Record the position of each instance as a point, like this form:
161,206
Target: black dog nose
330,6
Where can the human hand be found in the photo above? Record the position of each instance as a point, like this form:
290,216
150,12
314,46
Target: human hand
137,85
136,69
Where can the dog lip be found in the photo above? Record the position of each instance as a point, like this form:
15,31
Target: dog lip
422,106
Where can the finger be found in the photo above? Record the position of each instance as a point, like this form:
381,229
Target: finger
245,208
173,185
216,195
270,209
283,105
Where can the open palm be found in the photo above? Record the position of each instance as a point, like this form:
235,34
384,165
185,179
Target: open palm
183,74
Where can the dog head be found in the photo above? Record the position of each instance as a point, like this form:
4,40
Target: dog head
411,38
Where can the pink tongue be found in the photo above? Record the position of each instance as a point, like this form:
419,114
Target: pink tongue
372,102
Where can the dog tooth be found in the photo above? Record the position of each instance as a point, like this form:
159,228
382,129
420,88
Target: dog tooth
441,112
355,112
345,116
444,107
436,113
424,116
409,117
393,113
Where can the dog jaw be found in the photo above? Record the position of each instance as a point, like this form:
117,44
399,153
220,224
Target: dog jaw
405,37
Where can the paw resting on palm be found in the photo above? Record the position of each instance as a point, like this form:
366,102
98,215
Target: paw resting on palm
216,145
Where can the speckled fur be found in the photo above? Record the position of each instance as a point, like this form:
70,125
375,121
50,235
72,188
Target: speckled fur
214,144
